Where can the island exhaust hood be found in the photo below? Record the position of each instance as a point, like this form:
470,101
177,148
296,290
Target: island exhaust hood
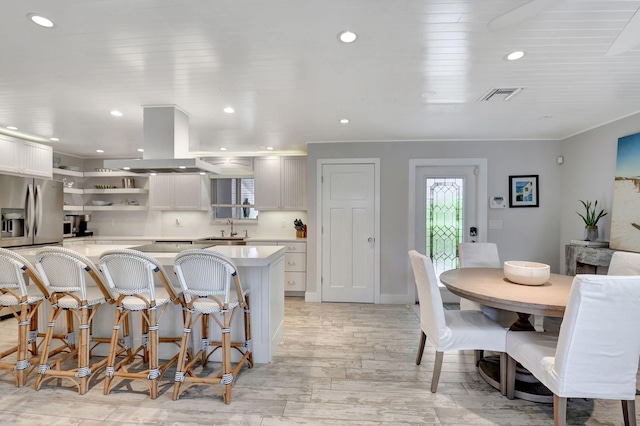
166,145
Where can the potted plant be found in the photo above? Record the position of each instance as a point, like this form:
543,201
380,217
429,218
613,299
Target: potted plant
591,219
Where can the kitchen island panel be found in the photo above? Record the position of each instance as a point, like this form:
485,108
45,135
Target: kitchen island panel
261,270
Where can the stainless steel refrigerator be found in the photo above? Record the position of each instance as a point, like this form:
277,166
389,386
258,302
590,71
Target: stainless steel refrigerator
31,211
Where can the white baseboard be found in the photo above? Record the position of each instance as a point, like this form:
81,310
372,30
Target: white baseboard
396,299
313,297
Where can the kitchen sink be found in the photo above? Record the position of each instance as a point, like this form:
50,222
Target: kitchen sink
224,241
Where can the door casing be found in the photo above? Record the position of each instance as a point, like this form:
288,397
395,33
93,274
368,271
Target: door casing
346,161
482,199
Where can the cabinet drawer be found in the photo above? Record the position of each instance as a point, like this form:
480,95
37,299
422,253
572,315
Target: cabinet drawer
295,262
295,281
294,247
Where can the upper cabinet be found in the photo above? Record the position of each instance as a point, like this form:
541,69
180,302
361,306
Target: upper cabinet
281,183
25,158
178,192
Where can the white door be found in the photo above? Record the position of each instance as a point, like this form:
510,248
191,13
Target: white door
348,233
446,212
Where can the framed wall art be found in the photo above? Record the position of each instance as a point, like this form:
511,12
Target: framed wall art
523,191
625,222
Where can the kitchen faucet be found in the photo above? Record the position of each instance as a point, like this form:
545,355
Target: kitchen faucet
232,233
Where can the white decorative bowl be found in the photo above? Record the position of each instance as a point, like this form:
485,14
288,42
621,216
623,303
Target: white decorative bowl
527,273
101,203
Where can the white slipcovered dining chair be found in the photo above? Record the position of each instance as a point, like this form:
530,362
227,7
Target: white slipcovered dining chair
452,330
596,352
66,273
483,255
621,263
213,294
131,276
624,263
23,300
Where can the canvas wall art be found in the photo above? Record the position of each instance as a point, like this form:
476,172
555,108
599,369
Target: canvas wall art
625,212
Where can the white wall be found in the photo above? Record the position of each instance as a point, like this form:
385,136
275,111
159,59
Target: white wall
588,174
527,233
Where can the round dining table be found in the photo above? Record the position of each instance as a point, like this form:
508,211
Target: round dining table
488,286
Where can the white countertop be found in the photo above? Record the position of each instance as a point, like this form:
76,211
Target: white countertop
243,256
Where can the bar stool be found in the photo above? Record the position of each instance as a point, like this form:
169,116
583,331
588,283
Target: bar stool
131,276
206,280
23,300
64,273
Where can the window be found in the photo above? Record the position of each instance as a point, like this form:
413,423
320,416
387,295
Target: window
233,198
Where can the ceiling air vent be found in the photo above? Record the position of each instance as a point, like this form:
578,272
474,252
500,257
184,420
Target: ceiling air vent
500,94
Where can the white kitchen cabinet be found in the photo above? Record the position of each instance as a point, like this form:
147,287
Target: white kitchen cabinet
280,183
178,192
25,158
295,263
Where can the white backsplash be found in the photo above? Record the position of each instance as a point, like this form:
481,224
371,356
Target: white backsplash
190,223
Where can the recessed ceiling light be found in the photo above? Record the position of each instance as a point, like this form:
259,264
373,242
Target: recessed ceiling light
347,36
344,121
54,139
153,174
116,113
229,110
100,151
12,128
202,173
513,56
269,148
41,20
223,149
140,150
126,168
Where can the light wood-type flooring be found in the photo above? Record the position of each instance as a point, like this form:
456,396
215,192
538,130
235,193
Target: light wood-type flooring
339,364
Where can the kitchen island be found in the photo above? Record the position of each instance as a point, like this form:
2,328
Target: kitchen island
261,270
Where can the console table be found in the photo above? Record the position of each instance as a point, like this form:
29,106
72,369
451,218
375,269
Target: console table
587,260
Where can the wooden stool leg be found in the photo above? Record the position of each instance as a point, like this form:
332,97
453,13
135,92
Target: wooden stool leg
113,348
184,347
33,330
46,345
154,372
205,338
227,375
21,350
247,330
83,348
145,339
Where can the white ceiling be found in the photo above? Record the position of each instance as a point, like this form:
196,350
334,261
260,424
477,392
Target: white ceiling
415,72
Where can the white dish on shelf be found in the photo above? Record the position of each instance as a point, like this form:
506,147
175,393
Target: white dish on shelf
101,203
527,273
